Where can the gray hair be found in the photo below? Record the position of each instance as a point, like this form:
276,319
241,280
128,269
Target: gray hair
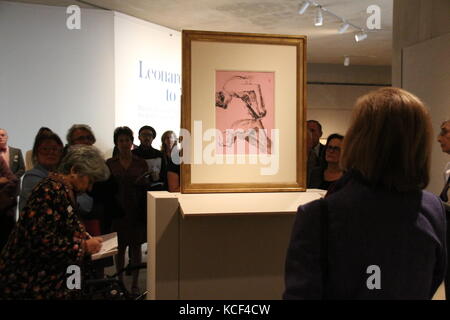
85,160
78,127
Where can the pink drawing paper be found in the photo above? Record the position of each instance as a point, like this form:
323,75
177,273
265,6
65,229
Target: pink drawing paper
245,102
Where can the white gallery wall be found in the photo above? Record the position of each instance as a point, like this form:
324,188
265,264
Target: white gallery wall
430,81
55,77
420,64
147,75
116,70
334,89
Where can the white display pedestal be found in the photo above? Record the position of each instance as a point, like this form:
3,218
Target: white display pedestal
219,246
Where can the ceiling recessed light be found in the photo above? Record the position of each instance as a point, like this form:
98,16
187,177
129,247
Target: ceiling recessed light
346,61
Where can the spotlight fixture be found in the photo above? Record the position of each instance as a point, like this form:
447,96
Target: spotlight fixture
346,61
360,36
344,27
360,33
303,8
318,19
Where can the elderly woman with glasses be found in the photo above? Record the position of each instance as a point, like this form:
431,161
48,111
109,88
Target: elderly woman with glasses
80,134
324,177
49,236
46,156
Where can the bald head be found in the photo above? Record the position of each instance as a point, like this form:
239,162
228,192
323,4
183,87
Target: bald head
316,131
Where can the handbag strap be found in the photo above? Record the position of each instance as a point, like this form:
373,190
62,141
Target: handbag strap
324,243
444,193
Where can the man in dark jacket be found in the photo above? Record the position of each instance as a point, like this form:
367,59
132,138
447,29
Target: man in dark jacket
153,157
8,193
12,156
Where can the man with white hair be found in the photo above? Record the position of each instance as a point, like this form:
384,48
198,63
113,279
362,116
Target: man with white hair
12,156
315,128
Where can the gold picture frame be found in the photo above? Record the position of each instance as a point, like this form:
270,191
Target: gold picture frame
243,57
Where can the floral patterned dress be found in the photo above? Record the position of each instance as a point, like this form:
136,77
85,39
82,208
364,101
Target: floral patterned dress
45,242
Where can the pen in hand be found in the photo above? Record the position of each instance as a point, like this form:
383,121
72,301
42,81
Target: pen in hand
93,245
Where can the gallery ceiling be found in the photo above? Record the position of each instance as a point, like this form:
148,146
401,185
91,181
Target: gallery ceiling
325,44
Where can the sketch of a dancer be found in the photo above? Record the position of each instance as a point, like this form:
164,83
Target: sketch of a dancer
252,129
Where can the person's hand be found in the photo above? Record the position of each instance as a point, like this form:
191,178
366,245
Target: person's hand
93,245
3,180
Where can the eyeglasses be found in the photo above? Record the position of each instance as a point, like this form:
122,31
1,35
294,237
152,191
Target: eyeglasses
331,148
146,135
443,132
84,138
49,150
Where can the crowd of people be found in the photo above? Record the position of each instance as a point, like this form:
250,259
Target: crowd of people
374,216
68,196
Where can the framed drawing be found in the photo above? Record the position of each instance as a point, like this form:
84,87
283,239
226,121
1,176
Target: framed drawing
243,113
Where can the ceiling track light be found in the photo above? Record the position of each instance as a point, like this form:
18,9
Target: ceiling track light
360,36
318,19
346,61
303,8
343,27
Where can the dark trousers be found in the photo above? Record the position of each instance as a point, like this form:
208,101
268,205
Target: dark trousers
6,225
447,276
